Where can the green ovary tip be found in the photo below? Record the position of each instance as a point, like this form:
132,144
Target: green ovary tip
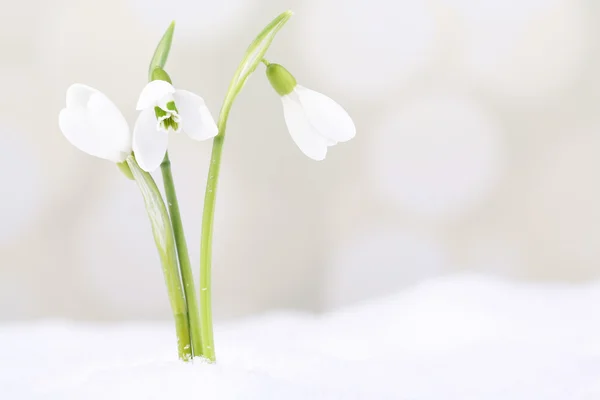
280,78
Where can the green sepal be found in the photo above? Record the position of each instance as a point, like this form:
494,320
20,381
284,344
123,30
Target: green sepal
124,167
161,54
280,78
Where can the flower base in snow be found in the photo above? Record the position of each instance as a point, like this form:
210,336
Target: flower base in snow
460,338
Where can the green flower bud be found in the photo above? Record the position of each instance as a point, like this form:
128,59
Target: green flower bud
282,81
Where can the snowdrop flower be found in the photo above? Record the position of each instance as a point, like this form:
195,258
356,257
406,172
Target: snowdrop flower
313,119
165,109
94,124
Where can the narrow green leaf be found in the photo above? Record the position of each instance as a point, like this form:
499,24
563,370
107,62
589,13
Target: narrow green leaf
254,55
165,243
159,59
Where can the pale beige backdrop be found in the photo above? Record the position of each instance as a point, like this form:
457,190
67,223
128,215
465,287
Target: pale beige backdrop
478,149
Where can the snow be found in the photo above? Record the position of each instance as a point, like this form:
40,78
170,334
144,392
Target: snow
460,337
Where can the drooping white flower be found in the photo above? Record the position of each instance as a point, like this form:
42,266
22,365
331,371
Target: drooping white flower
94,124
314,120
163,110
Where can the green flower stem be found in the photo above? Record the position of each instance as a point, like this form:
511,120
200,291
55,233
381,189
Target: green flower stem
185,267
156,71
206,325
252,58
165,243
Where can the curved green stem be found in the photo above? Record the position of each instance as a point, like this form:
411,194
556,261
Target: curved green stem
156,71
185,266
163,237
206,326
252,58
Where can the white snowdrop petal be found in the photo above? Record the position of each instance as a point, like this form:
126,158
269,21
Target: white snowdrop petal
149,144
327,116
79,94
196,119
304,135
163,101
110,125
152,93
74,125
93,124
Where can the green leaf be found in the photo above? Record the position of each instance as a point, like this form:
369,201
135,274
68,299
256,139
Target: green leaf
254,55
161,54
165,243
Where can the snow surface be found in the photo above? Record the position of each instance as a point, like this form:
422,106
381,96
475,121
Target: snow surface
453,338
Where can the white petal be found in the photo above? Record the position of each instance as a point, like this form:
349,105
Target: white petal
79,94
305,136
196,119
149,144
93,124
327,116
152,93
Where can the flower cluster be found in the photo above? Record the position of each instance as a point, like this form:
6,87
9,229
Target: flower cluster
94,124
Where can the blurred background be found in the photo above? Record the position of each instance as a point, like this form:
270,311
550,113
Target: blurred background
478,150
